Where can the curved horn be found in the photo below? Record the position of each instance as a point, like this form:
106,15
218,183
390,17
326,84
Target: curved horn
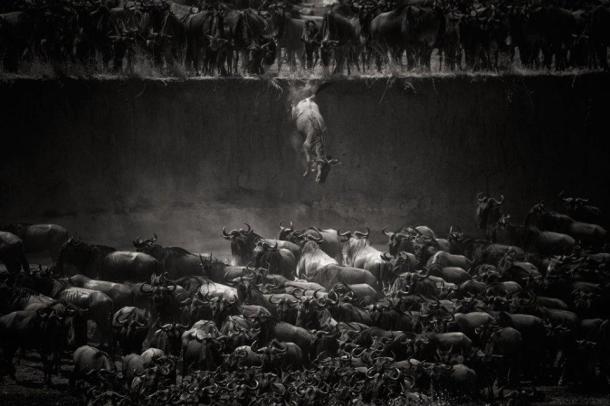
123,318
315,294
361,234
395,376
249,230
386,256
225,235
387,233
344,234
142,290
499,202
370,372
255,387
271,300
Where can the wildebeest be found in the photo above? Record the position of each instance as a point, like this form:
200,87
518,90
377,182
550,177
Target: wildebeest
130,326
201,347
37,238
244,242
278,260
289,30
121,294
12,253
312,128
313,258
342,31
549,220
328,239
98,305
532,238
358,253
489,211
79,257
43,330
176,261
88,359
579,209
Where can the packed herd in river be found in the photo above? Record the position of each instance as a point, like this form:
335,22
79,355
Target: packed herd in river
318,316
242,37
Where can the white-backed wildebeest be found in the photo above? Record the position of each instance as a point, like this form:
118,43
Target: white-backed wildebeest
311,127
358,253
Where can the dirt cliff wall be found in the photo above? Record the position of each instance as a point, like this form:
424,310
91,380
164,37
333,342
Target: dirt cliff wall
116,158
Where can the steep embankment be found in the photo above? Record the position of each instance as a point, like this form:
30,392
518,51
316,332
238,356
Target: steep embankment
116,158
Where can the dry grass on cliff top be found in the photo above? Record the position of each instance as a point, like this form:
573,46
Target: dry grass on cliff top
143,70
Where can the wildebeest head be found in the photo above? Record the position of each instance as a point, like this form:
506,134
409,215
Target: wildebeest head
400,241
322,167
148,246
401,263
237,329
456,235
75,252
578,206
168,337
130,324
307,311
327,342
262,55
243,243
307,239
286,232
266,254
161,292
358,235
488,210
535,214
283,306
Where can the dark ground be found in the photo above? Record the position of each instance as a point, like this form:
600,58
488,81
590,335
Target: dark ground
29,391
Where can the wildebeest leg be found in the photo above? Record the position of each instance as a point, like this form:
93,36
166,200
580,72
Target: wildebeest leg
245,61
601,51
8,355
292,60
308,160
235,57
427,58
47,366
278,57
25,266
192,55
379,61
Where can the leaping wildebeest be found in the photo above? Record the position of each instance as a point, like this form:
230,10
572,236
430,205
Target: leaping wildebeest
311,127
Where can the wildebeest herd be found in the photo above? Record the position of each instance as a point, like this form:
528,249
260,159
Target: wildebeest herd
319,316
246,37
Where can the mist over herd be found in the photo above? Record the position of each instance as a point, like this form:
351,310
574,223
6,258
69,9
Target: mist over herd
319,314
